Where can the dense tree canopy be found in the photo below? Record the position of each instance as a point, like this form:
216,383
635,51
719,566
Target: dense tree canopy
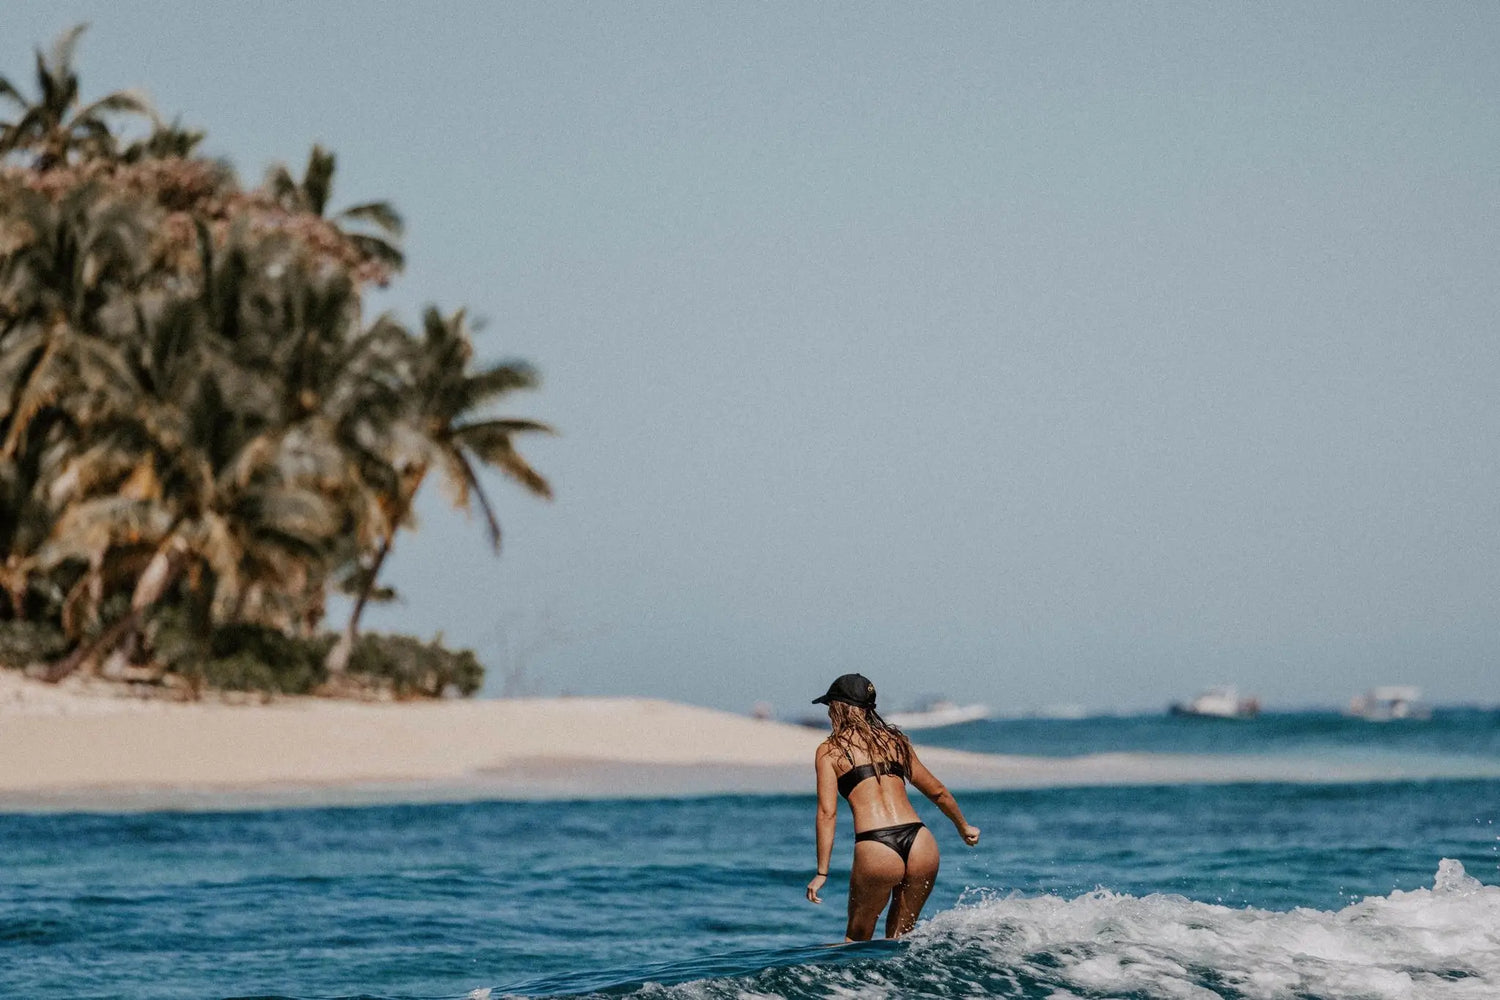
200,431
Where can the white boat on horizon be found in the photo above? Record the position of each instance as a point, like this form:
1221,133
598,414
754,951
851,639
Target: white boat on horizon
1388,703
1219,703
936,714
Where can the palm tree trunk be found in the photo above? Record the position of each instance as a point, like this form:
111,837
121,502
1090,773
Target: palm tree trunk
337,661
17,594
103,643
338,657
157,578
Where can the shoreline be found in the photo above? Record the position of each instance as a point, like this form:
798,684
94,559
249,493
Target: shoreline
77,749
583,780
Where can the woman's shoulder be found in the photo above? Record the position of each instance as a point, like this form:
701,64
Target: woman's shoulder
830,749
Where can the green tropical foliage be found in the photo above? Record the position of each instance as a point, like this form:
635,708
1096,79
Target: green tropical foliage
200,434
57,126
374,227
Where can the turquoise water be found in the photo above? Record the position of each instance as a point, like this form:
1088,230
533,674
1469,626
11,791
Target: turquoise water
1304,891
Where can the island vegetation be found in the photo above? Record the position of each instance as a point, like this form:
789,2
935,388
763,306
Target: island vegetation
202,434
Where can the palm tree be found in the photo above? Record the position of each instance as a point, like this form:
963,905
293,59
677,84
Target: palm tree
72,254
61,366
446,429
235,472
184,517
335,396
374,228
56,126
193,417
60,298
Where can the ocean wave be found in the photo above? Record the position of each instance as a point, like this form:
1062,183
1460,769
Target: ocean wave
1441,943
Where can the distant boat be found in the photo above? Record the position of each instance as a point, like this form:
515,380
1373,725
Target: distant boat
1219,703
1388,703
938,713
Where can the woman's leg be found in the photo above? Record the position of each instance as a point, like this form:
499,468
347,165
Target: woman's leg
910,894
877,870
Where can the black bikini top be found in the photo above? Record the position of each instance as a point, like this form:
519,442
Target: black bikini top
860,772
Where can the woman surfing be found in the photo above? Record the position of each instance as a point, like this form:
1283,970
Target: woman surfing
868,762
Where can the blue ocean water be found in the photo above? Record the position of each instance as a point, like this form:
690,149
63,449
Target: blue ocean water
1452,734
1237,891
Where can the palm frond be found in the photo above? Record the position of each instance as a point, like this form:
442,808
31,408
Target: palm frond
491,443
380,214
49,87
473,486
495,381
361,578
377,249
56,80
506,426
88,530
317,182
166,141
63,47
283,186
446,338
251,459
296,513
95,132
118,102
9,92
23,347
22,132
99,466
43,384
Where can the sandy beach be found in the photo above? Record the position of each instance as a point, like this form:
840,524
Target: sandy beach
86,746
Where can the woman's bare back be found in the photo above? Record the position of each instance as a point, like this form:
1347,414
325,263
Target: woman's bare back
879,800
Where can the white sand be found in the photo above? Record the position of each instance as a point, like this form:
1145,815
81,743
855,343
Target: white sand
86,746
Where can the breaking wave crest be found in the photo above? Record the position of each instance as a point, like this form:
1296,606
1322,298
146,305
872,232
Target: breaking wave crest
1441,943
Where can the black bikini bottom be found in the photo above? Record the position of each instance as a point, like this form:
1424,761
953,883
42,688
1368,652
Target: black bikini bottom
897,838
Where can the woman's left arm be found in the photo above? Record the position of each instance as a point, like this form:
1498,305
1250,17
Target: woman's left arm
927,783
827,818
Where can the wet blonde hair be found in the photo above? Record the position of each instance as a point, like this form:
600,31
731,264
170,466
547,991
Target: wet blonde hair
856,728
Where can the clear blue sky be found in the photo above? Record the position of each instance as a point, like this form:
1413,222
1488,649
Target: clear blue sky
1027,353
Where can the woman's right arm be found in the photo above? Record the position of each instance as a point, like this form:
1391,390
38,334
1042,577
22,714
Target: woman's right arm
927,783
827,818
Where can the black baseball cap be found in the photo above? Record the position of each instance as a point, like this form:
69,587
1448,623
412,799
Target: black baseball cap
851,689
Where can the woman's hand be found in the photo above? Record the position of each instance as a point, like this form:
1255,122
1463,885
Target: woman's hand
969,833
814,886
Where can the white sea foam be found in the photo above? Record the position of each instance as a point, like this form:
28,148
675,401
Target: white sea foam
1441,943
